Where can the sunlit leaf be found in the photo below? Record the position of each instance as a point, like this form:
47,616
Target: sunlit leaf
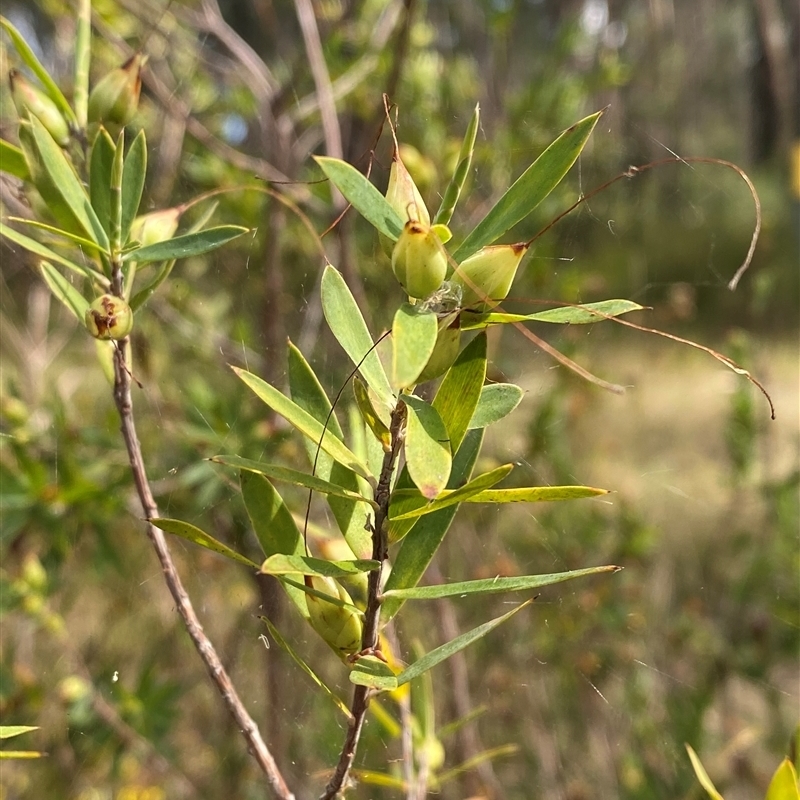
64,291
188,531
702,775
12,161
413,338
564,315
453,190
783,785
497,400
9,731
81,241
535,494
371,671
305,565
100,160
530,188
20,754
133,175
493,585
436,656
362,195
427,447
190,244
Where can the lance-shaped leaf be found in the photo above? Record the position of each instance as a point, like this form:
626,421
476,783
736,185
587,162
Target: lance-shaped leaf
304,588
33,63
371,671
193,534
494,585
443,652
369,415
115,221
783,785
423,540
287,475
190,244
470,764
535,494
12,161
76,239
9,731
347,325
362,195
453,191
566,315
409,503
284,645
279,564
308,393
64,291
304,422
63,181
101,159
497,400
702,775
530,188
133,175
461,390
427,447
414,334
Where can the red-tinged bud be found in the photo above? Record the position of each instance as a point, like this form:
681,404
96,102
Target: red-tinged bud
30,100
116,97
109,317
418,260
485,278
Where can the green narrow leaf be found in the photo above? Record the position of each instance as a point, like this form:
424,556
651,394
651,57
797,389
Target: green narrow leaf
280,564
479,758
65,182
9,731
64,291
530,188
414,334
190,244
347,325
405,504
566,315
287,475
368,413
423,540
188,531
115,221
29,57
101,160
453,191
497,400
362,195
783,785
427,447
308,393
9,754
12,161
702,775
461,390
454,646
493,585
371,671
284,645
83,47
304,422
535,494
133,175
80,241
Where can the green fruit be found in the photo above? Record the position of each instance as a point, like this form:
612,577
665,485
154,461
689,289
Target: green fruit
485,278
116,97
109,317
340,627
419,261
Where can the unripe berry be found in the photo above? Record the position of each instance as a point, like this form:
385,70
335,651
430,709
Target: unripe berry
109,317
158,226
340,627
418,260
116,97
486,277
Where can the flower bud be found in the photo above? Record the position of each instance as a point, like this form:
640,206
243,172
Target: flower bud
116,97
418,260
30,100
340,627
486,277
445,351
109,317
158,226
404,197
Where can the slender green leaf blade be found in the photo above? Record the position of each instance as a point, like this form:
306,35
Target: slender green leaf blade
479,758
497,400
535,494
284,645
193,534
101,160
74,238
66,183
565,315
371,671
12,161
280,564
783,785
530,188
439,654
133,175
190,244
64,291
368,413
493,585
453,191
287,475
9,754
427,447
413,338
461,390
362,195
304,422
9,731
348,326
702,775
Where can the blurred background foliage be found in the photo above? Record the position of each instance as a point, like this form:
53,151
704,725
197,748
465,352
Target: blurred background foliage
601,683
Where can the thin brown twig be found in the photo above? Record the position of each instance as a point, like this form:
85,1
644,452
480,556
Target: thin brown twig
372,614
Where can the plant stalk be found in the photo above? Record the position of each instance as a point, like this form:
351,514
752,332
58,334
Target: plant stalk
372,615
